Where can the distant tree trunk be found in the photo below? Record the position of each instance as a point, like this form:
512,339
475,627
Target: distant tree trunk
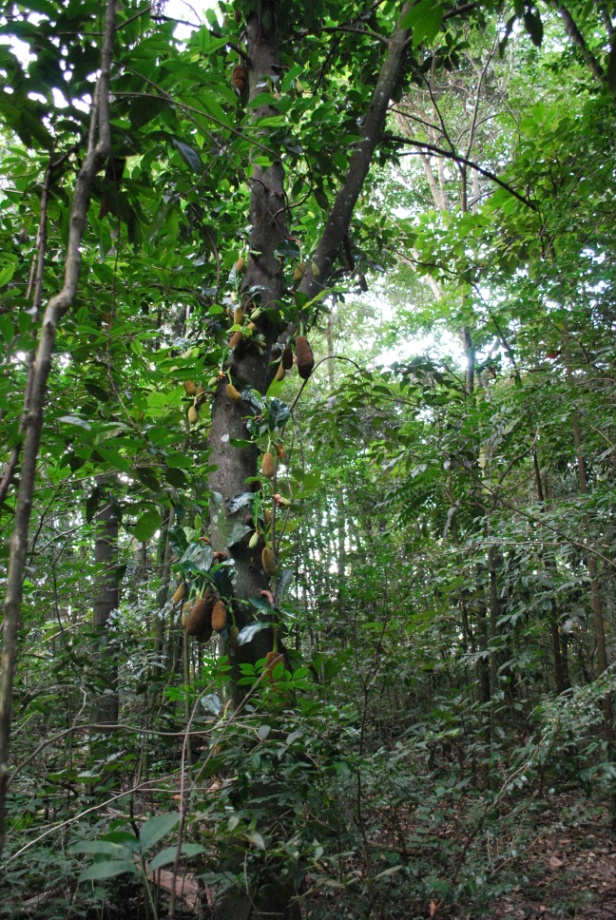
561,673
469,350
105,706
162,595
494,607
483,670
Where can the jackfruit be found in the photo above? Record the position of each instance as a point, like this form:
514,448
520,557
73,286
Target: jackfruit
233,394
219,616
267,465
300,271
305,358
287,358
200,615
268,561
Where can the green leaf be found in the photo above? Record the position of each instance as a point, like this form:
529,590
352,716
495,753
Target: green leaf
240,501
148,524
76,421
7,329
156,828
256,838
238,530
279,414
147,476
103,848
261,603
425,19
108,869
197,558
167,856
189,155
7,272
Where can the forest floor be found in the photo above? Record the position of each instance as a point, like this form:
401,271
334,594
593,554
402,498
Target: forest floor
567,870
558,861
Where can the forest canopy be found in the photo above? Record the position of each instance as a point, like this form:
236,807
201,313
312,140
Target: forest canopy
307,458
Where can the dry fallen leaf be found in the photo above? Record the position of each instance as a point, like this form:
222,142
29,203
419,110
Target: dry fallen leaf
555,863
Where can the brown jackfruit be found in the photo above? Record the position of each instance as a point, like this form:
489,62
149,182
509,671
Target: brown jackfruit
239,78
200,616
272,660
305,358
193,415
235,339
190,387
204,634
219,616
238,316
287,358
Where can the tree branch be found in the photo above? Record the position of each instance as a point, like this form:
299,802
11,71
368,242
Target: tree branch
339,220
460,159
99,147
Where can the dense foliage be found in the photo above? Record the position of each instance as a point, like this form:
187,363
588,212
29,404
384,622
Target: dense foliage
425,663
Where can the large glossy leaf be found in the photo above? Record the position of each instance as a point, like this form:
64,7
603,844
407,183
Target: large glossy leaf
148,524
108,869
156,828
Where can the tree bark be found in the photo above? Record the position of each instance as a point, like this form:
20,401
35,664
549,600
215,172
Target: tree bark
235,465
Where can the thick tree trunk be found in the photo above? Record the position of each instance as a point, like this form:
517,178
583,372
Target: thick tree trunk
249,368
264,287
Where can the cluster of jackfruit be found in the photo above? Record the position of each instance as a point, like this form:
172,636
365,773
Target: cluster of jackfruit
203,615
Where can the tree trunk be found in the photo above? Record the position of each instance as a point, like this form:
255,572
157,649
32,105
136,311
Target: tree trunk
105,706
264,288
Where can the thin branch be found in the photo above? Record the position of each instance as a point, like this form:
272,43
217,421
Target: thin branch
480,169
